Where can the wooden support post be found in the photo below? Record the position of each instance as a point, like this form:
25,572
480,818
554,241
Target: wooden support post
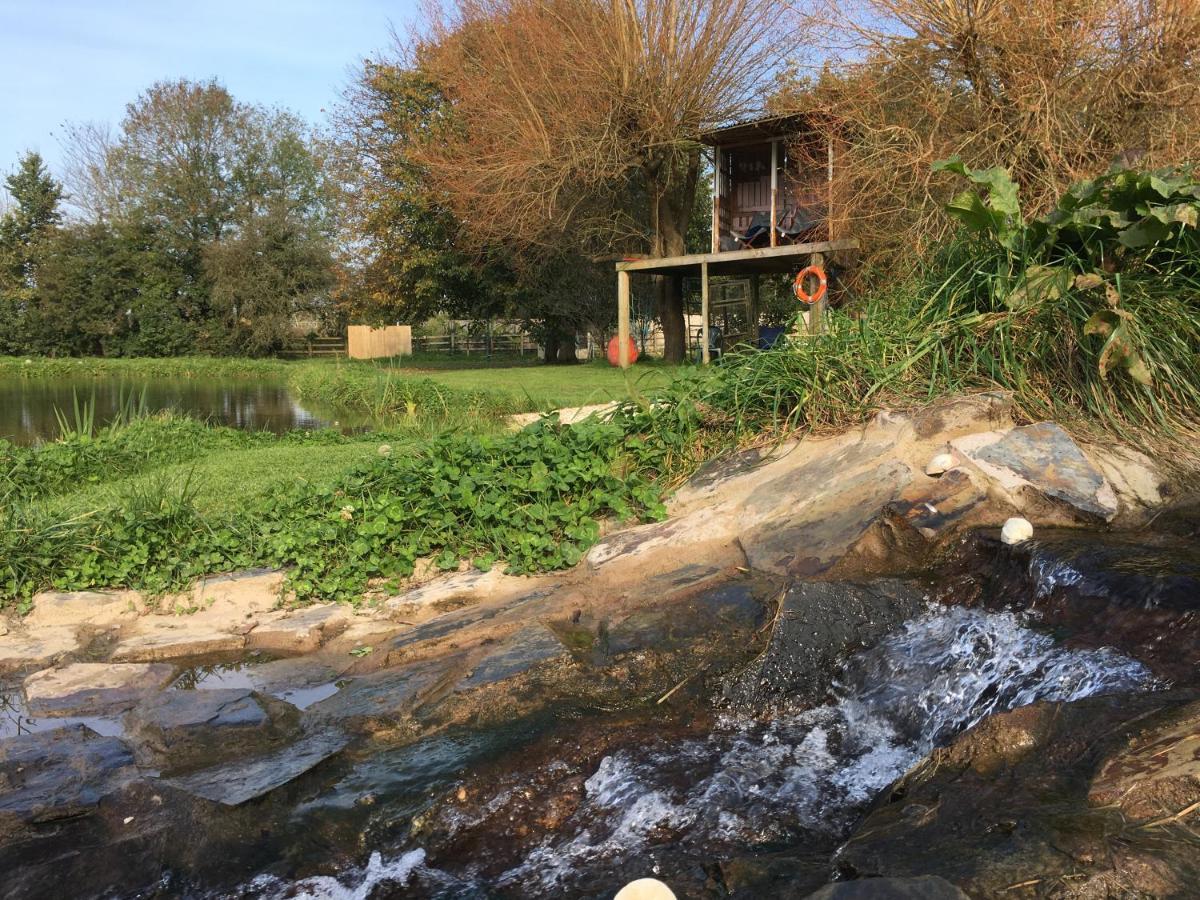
816,312
704,354
623,319
753,312
774,193
716,197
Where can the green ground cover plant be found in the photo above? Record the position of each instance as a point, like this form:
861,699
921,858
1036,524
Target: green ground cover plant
531,499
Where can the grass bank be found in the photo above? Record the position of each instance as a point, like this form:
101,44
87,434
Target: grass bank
337,512
1089,315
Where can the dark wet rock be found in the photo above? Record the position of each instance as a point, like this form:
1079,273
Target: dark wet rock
1007,803
1156,775
526,648
734,606
457,620
389,694
1042,458
786,875
820,532
926,887
181,730
59,774
1138,592
817,625
94,689
248,779
938,504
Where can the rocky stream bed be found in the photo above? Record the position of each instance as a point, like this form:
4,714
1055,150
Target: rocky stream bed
822,675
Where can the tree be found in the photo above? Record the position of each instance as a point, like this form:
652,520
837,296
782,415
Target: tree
562,108
413,257
25,230
1079,84
270,272
208,187
408,258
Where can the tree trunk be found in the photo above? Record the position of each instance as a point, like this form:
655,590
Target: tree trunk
670,315
560,345
672,184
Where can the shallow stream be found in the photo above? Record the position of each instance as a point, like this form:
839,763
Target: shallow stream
748,784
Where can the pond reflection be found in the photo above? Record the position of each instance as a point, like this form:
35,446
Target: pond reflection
27,404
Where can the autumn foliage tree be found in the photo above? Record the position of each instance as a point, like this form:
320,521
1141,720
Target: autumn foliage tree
563,109
1051,90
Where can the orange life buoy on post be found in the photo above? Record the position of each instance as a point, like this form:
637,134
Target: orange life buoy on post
614,351
798,285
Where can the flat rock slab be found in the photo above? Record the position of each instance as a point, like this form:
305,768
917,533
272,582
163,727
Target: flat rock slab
175,637
24,650
99,608
94,689
389,694
1042,458
457,620
300,631
232,785
239,593
819,623
820,531
182,729
59,774
516,654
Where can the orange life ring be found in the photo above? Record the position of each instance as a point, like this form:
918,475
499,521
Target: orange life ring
798,285
614,351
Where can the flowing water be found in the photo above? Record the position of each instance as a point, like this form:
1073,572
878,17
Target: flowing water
752,785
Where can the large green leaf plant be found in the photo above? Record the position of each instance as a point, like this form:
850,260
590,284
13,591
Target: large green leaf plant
1125,222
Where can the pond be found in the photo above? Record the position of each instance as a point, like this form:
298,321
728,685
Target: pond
27,405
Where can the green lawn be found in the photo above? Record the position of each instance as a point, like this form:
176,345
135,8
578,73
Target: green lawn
224,480
544,387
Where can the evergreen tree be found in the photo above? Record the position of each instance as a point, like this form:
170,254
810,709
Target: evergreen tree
25,232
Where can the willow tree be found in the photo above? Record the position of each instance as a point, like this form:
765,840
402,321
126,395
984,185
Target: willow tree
564,108
1052,90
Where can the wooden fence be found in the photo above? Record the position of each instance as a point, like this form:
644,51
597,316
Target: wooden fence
365,342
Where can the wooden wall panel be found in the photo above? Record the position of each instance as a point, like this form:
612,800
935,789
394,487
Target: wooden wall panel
365,342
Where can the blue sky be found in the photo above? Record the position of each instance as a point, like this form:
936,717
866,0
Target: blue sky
83,60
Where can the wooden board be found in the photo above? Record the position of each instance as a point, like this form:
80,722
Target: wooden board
365,342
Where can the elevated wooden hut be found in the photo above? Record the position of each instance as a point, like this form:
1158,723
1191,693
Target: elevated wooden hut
772,205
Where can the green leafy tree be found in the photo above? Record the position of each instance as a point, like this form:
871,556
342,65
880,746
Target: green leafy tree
25,231
409,257
195,177
273,270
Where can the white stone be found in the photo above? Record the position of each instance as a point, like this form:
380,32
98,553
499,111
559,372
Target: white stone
645,889
1016,530
940,464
